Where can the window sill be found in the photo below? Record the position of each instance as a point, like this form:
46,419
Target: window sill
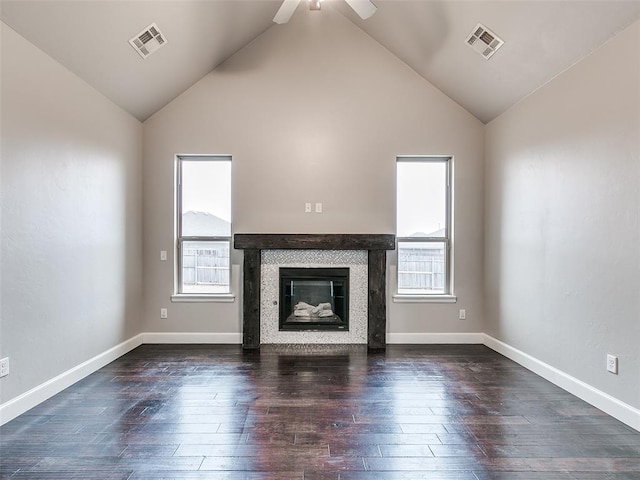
398,298
203,298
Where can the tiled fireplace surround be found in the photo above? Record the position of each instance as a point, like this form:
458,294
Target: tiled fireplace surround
375,246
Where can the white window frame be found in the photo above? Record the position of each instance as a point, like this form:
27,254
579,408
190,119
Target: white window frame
179,295
448,294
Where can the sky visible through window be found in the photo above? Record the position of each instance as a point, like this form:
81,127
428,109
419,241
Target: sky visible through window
421,196
206,187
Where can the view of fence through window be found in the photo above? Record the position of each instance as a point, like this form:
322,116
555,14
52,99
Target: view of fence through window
423,211
204,240
205,267
421,267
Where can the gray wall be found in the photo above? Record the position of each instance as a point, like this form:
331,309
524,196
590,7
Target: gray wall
563,220
312,111
71,219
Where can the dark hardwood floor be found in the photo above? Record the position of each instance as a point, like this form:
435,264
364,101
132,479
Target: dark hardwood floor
414,412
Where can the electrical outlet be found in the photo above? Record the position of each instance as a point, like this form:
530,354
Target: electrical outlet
612,364
163,313
163,255
4,367
318,207
462,314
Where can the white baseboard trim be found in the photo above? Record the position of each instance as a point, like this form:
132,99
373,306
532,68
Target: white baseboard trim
195,337
599,399
434,338
22,403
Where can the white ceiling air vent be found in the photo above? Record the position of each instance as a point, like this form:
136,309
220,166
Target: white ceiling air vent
484,41
148,41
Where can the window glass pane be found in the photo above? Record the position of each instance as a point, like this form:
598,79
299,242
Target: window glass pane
206,198
205,267
421,267
422,199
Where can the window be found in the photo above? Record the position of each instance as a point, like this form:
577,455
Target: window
203,224
424,225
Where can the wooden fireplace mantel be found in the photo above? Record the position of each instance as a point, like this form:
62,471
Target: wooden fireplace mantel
332,241
375,244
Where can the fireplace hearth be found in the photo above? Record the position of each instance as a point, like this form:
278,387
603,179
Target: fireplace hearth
314,299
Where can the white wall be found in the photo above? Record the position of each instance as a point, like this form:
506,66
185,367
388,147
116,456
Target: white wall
312,111
71,219
563,220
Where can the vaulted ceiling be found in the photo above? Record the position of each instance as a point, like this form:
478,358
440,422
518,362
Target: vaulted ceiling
542,39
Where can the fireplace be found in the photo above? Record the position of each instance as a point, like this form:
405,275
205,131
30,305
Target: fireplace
374,246
314,299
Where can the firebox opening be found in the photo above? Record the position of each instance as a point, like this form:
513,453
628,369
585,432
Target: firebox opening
314,299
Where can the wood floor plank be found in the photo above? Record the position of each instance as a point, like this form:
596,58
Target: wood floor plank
437,412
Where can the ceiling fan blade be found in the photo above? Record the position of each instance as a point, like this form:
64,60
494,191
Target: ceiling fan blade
364,8
286,11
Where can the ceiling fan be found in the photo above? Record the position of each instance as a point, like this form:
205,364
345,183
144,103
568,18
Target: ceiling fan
364,8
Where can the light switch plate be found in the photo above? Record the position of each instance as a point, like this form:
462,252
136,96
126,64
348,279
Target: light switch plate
4,367
612,364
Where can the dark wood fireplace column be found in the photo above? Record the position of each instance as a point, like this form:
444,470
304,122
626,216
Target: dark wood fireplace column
376,246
